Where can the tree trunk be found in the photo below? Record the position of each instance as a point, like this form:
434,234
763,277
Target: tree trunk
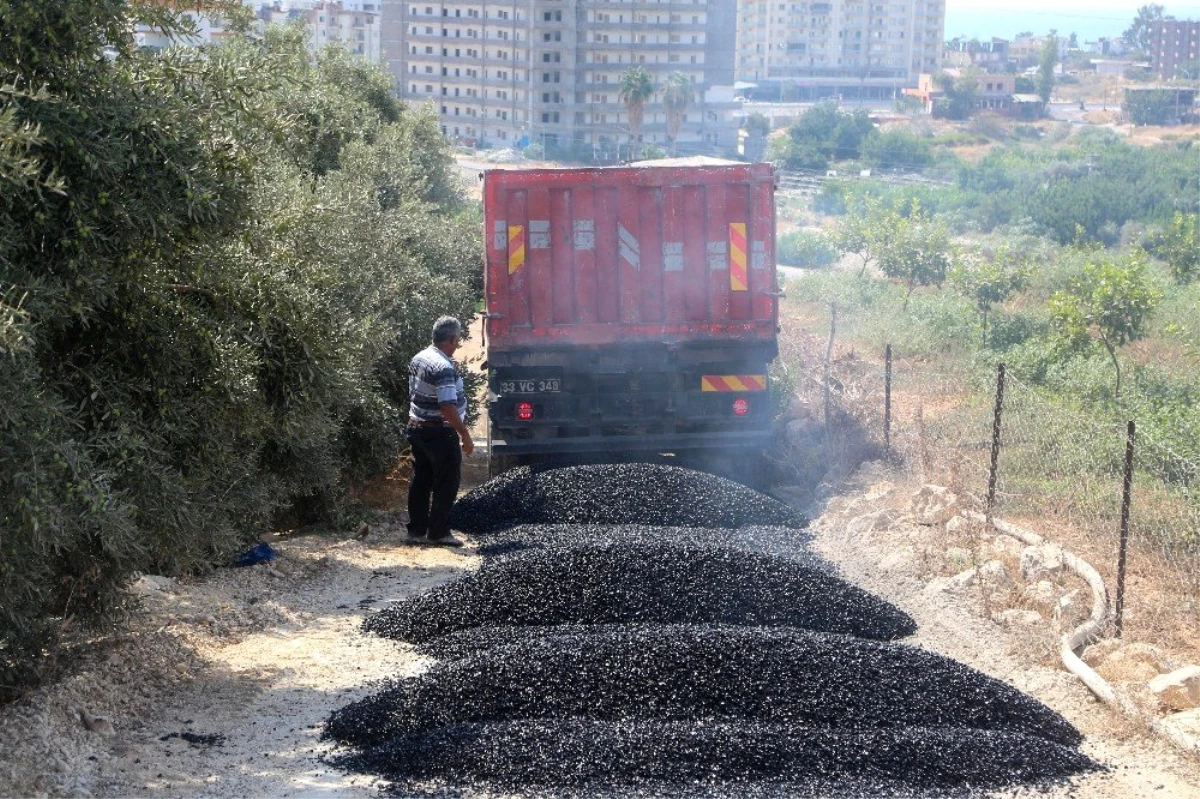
1112,353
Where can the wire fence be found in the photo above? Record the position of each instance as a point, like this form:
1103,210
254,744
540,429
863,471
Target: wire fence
1060,472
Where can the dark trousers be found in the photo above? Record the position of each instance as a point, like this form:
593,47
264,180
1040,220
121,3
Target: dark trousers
437,469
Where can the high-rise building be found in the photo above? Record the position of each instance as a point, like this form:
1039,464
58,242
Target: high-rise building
852,48
355,24
1175,48
549,71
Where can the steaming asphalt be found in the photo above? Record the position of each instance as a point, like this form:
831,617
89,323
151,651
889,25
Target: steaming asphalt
646,630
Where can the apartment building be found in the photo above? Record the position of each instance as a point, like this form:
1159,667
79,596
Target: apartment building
989,56
1175,48
507,74
869,49
209,25
355,24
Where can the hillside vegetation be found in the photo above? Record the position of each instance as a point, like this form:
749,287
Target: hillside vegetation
1074,260
214,265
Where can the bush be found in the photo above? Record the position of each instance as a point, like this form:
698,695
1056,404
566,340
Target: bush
896,149
805,248
207,336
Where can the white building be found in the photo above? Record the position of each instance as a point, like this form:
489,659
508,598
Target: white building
548,71
355,24
853,48
210,27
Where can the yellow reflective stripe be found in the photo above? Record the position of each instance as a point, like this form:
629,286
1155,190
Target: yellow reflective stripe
738,278
516,247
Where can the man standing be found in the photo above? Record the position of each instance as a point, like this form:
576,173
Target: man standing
436,426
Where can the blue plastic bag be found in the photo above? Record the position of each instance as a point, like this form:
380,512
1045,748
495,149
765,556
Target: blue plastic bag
257,554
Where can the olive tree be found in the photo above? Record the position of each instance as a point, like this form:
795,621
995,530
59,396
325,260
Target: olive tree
211,261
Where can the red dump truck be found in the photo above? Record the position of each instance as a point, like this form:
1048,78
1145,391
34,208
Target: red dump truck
631,311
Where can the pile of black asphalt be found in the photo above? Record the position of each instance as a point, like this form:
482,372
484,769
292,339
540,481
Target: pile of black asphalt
674,673
642,630
585,757
624,493
785,542
638,582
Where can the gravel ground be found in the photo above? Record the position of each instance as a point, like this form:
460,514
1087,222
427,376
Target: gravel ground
624,493
890,560
683,673
264,659
643,582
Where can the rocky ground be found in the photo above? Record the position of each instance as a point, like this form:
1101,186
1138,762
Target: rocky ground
893,539
221,685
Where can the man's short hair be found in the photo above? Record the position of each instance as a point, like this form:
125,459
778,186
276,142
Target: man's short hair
446,328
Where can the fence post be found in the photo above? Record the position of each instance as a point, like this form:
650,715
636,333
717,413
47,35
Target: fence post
991,492
828,357
1126,495
887,400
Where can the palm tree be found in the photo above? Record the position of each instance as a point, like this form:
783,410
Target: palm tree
636,88
677,95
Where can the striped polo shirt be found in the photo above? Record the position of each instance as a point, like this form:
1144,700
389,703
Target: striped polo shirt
433,379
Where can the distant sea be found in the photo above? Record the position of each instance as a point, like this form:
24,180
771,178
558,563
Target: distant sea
975,19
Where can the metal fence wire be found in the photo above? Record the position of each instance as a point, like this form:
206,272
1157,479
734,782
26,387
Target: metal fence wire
1060,472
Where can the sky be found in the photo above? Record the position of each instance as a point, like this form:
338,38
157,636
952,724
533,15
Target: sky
1090,19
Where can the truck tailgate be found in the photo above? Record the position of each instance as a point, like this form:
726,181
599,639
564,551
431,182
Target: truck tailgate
621,255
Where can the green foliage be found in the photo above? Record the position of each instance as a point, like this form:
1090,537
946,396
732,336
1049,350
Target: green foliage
757,123
805,248
652,151
677,96
1046,63
958,95
1152,106
915,248
1112,301
635,89
863,231
896,149
1137,35
214,264
1179,246
988,281
822,134
933,324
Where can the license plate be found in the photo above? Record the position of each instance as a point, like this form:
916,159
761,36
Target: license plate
539,385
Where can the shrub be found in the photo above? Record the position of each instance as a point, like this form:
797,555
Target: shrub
205,336
896,149
805,248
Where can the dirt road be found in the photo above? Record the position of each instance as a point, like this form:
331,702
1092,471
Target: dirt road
222,687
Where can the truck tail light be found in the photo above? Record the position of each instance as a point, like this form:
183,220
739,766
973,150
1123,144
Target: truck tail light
524,411
741,406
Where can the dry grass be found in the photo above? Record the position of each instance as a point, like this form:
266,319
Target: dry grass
941,434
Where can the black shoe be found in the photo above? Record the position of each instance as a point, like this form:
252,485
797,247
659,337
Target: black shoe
413,538
446,540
